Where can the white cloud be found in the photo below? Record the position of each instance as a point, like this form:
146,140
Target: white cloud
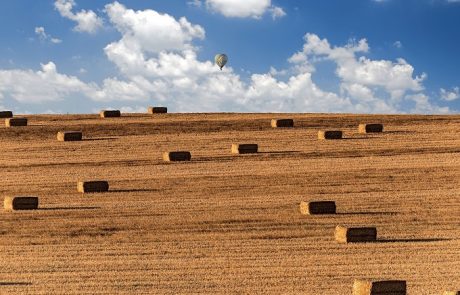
450,95
276,12
148,31
164,68
27,86
87,20
398,44
244,8
196,3
396,78
43,36
423,105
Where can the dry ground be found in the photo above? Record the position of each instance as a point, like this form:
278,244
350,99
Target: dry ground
223,223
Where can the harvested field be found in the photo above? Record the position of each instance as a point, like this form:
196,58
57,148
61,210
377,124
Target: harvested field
230,224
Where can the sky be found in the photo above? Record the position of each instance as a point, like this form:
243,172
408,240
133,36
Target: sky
360,56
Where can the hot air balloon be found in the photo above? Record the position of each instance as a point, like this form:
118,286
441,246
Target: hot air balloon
221,59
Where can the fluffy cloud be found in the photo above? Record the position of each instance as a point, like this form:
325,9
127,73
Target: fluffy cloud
149,31
450,95
242,8
360,77
27,86
164,68
87,20
43,36
395,77
168,67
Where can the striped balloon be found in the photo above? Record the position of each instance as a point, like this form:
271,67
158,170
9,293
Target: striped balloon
221,60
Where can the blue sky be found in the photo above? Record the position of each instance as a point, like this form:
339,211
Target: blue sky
362,56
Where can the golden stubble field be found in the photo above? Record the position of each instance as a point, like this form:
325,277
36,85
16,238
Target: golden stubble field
226,223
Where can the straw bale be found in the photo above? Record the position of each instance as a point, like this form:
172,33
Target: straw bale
6,114
330,134
69,136
20,203
317,207
248,148
282,123
370,128
97,186
177,156
13,122
110,113
157,110
355,234
379,287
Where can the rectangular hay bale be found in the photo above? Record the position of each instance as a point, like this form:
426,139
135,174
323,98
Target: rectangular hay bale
451,293
377,287
370,128
317,207
355,234
20,203
6,114
13,122
97,186
158,110
248,148
110,114
330,134
282,123
69,136
177,156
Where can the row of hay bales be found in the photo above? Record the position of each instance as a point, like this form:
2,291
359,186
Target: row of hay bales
117,113
11,121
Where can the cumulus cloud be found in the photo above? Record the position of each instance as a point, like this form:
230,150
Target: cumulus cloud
360,77
164,68
47,84
149,31
43,36
87,20
243,8
450,95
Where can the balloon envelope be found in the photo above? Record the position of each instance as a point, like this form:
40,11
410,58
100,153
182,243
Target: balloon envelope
221,60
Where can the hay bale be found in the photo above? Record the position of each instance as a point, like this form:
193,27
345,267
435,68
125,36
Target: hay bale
12,122
282,123
97,186
377,287
370,128
110,114
330,134
248,148
6,114
20,203
69,136
317,207
158,110
355,234
452,293
177,156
